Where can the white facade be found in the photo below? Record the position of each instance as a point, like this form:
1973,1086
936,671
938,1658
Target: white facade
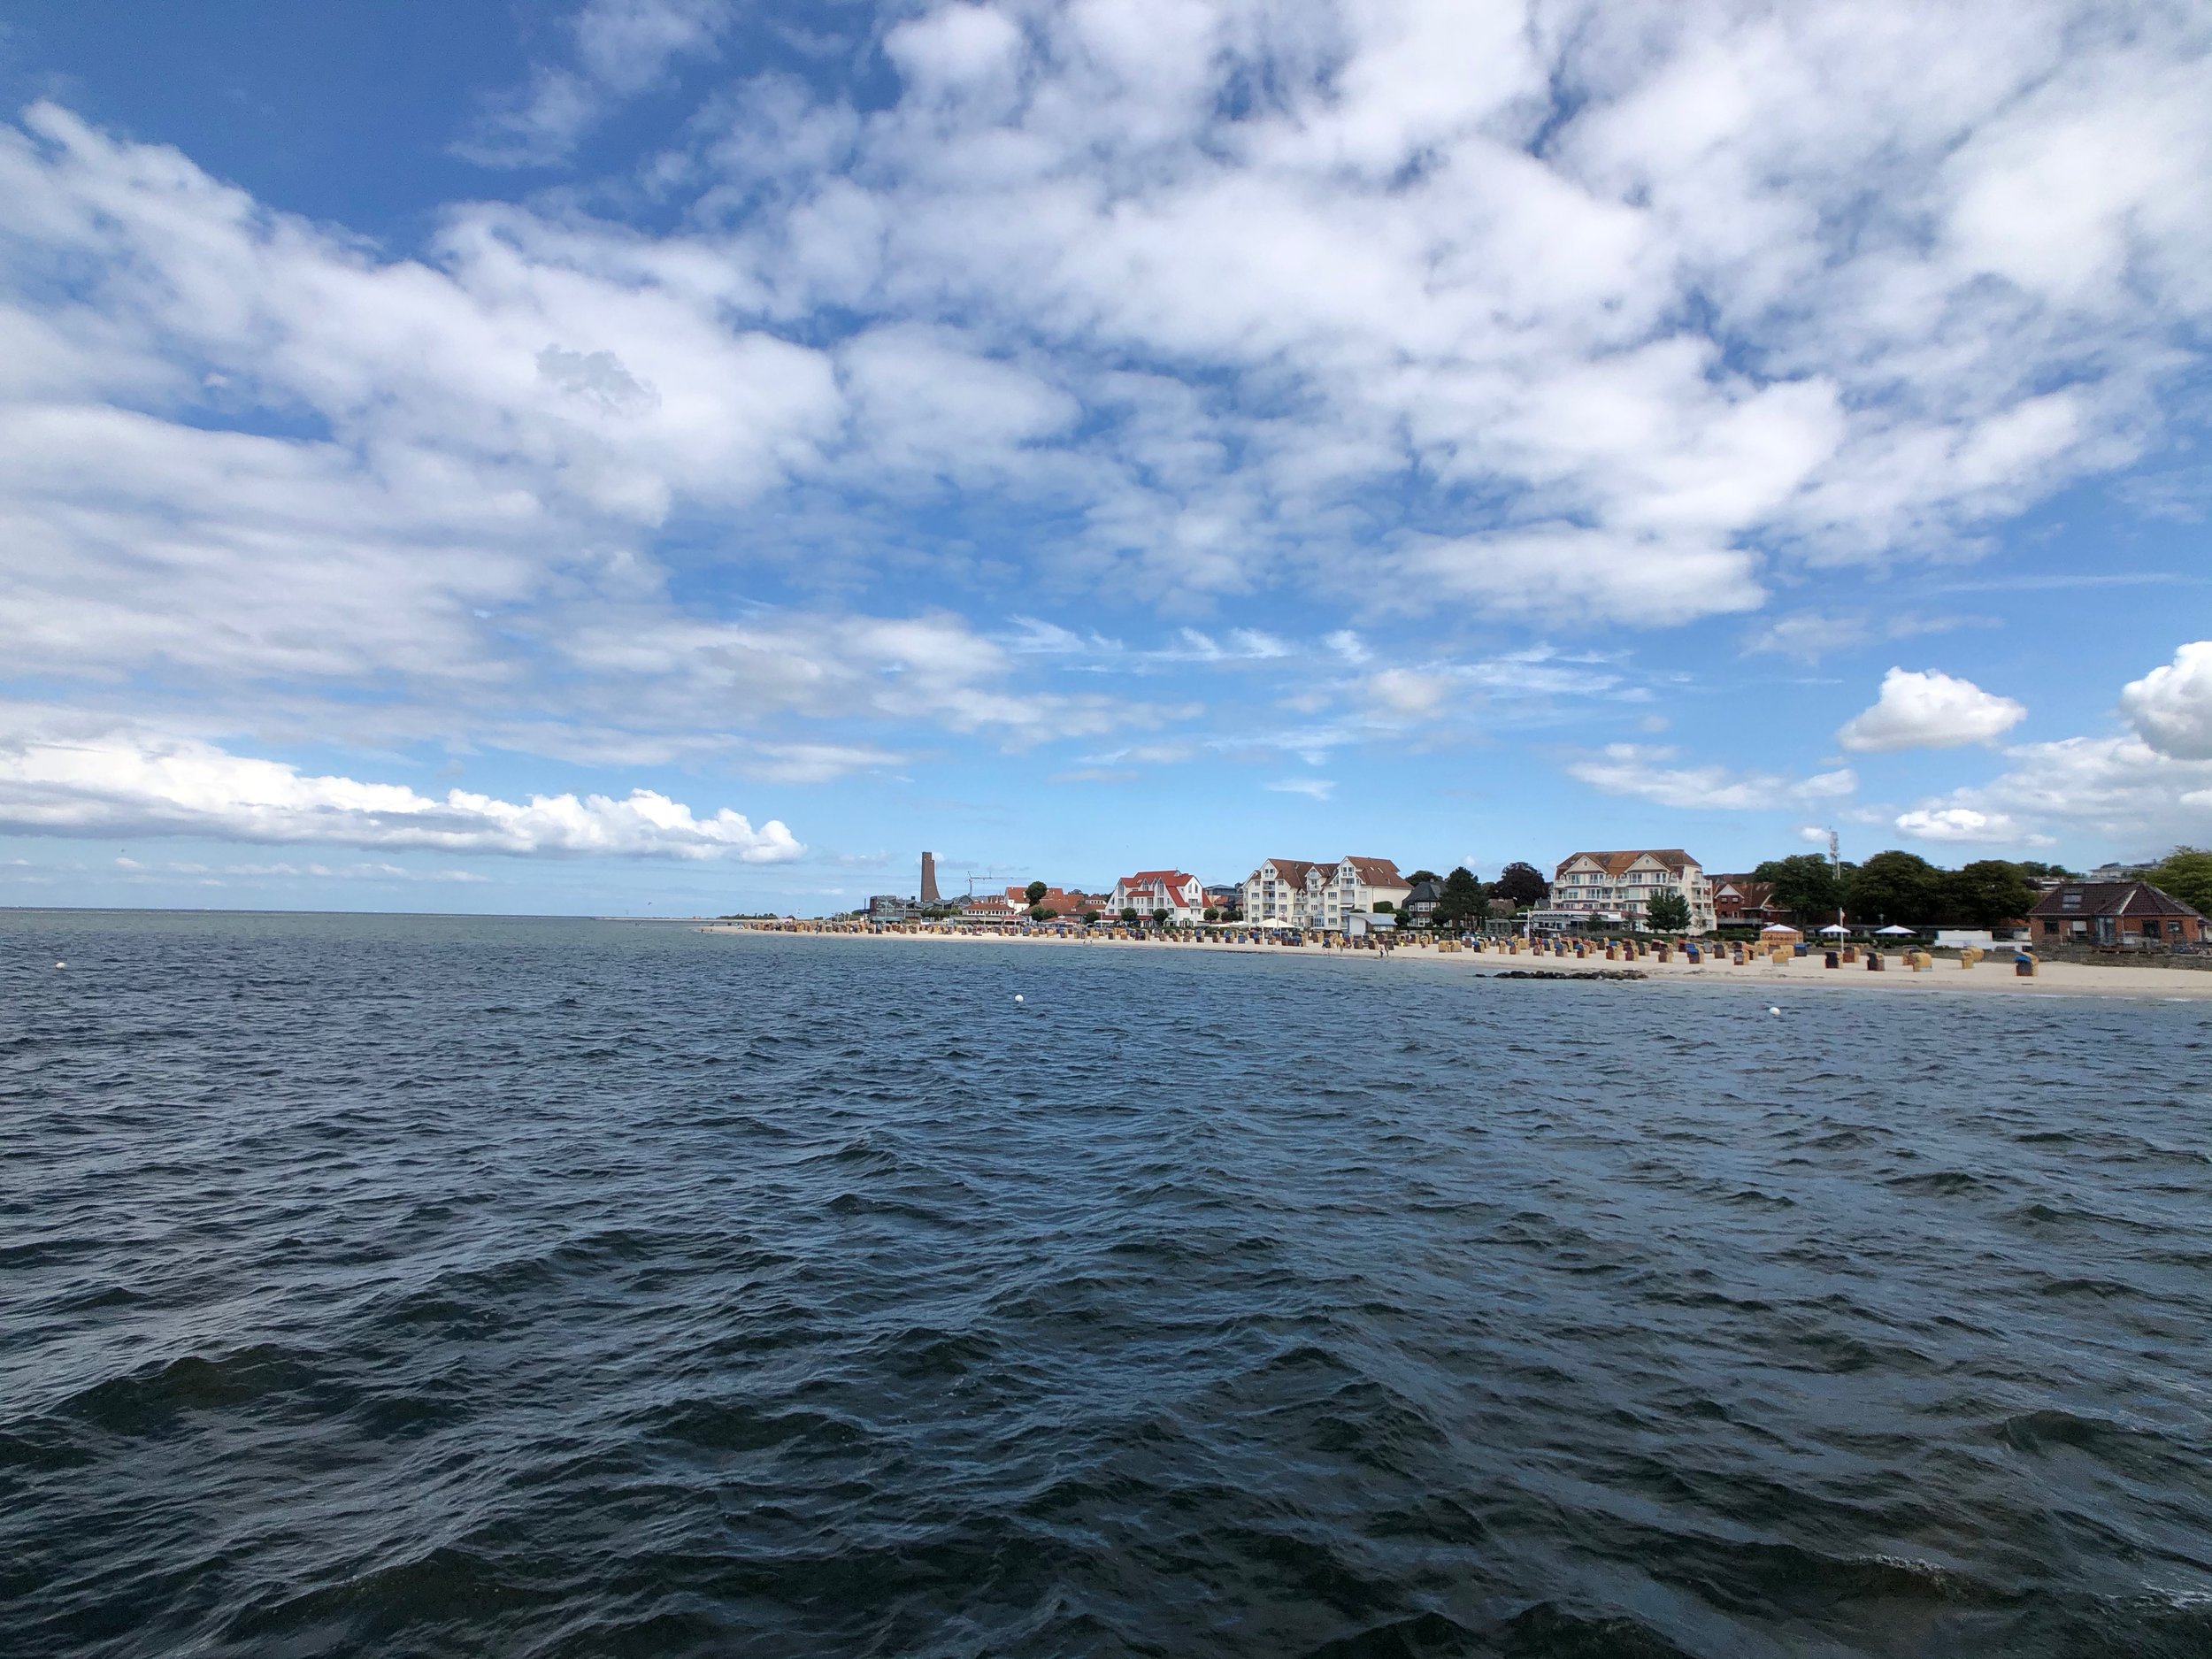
1296,893
1150,891
1627,882
1275,894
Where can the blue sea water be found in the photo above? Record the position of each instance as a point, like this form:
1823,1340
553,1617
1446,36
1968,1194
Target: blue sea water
424,1285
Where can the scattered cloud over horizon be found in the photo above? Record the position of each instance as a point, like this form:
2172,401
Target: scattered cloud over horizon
878,407
2141,793
1655,774
110,783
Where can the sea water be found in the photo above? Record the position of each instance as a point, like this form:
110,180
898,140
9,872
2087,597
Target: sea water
422,1286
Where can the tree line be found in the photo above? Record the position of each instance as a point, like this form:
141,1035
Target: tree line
1463,900
1905,888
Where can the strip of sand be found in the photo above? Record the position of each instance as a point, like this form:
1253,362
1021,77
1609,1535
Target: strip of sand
1993,975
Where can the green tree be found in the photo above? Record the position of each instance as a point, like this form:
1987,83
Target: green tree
1988,892
1044,913
2186,873
1668,912
1090,918
1384,907
1212,914
2035,870
1129,915
1034,893
1463,902
1521,885
1804,885
1898,887
1159,918
1419,876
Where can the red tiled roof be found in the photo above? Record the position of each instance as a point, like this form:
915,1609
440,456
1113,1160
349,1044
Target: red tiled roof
1617,863
1376,872
1159,878
2111,898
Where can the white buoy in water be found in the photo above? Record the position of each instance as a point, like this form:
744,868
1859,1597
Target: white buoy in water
1017,996
1774,1010
61,964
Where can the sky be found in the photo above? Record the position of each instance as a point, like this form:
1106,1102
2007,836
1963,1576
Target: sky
678,457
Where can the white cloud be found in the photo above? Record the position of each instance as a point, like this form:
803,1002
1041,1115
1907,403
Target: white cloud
1607,316
1809,636
666,670
1929,711
2143,791
955,47
1649,774
1410,691
2116,790
622,46
1966,825
1568,576
125,783
2170,707
1346,643
1319,788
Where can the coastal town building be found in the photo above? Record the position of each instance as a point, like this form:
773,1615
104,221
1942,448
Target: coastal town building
1422,898
1625,882
988,907
1303,892
1148,892
2125,913
1275,894
930,894
1361,886
1741,901
1069,902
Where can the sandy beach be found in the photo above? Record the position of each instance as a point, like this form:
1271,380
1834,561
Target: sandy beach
1993,975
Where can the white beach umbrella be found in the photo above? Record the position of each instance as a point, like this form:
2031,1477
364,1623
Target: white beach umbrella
1894,932
1837,928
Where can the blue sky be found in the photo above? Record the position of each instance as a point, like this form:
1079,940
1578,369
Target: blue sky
663,454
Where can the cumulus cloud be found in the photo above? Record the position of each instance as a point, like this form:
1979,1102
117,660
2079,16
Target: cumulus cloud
124,783
1654,774
2144,790
2170,707
1581,319
1929,711
2116,788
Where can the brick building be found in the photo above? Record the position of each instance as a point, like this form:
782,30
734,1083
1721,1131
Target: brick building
1739,900
2112,913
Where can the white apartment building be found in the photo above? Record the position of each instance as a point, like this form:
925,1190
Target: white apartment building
1627,882
1182,895
1299,893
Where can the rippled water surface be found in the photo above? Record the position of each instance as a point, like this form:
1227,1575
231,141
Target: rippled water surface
405,1285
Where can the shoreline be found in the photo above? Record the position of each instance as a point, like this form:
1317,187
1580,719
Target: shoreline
1991,977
